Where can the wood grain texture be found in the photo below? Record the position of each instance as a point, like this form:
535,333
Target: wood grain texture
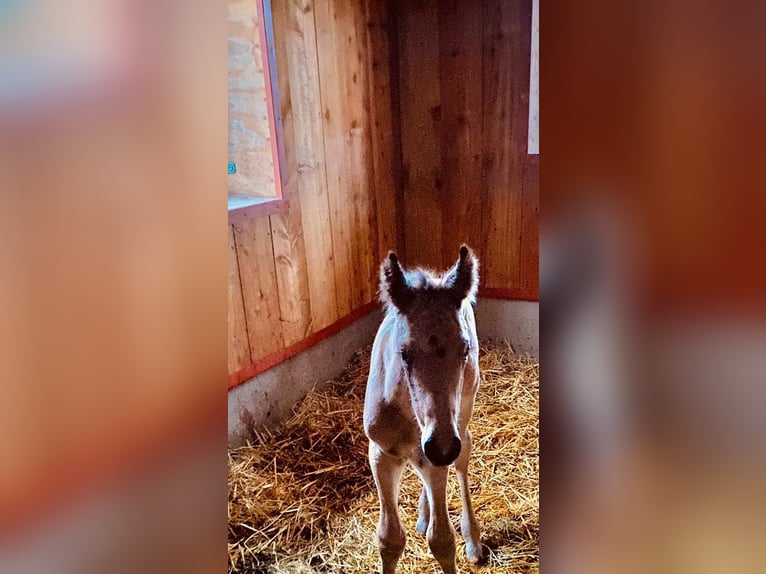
460,75
365,210
384,127
291,274
529,264
259,285
239,347
502,164
342,67
287,228
530,233
419,101
296,38
464,106
314,263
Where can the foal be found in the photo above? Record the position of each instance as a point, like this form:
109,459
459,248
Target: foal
424,375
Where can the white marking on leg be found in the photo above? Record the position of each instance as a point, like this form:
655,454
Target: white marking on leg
469,526
424,513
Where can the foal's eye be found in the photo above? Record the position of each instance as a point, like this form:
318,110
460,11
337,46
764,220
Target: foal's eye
406,358
465,352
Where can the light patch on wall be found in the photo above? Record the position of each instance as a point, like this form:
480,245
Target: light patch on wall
533,134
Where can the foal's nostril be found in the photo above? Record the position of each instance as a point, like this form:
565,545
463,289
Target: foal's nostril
442,454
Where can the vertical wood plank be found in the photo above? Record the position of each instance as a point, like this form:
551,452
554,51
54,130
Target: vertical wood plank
366,212
460,73
529,264
297,38
292,279
385,159
259,285
419,92
501,177
392,30
239,347
342,63
286,228
530,236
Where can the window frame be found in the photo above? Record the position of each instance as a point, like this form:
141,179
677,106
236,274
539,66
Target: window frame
243,207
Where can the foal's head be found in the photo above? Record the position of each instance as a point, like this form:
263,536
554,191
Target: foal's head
433,341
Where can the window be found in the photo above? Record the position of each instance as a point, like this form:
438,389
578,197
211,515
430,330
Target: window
533,133
254,130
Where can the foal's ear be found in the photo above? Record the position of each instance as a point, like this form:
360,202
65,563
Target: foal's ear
394,289
463,279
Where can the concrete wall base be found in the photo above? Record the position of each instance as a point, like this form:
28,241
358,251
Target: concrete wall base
268,398
518,322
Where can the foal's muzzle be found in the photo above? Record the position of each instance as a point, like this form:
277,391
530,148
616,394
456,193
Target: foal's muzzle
442,453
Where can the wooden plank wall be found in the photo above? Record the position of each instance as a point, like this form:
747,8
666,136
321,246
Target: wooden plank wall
297,272
405,127
464,101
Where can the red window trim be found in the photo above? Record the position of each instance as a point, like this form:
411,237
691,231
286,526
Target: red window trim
260,207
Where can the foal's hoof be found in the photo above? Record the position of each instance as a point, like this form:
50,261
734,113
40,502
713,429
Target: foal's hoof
421,526
476,553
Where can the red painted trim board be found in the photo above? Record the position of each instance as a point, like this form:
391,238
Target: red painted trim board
512,294
274,359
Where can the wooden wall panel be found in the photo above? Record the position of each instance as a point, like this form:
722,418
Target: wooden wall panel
419,97
361,162
291,274
467,174
259,285
460,74
502,177
530,236
239,347
314,264
386,166
298,66
529,277
405,128
343,85
286,227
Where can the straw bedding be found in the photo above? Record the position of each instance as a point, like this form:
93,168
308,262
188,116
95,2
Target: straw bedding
302,498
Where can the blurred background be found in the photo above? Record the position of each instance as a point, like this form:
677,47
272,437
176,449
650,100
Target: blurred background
113,286
652,287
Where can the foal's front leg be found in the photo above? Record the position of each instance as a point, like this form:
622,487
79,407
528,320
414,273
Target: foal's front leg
469,526
440,534
387,471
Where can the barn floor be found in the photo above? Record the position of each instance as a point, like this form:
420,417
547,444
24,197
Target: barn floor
302,499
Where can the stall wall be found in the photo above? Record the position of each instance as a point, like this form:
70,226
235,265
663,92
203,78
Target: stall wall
404,127
312,267
464,99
